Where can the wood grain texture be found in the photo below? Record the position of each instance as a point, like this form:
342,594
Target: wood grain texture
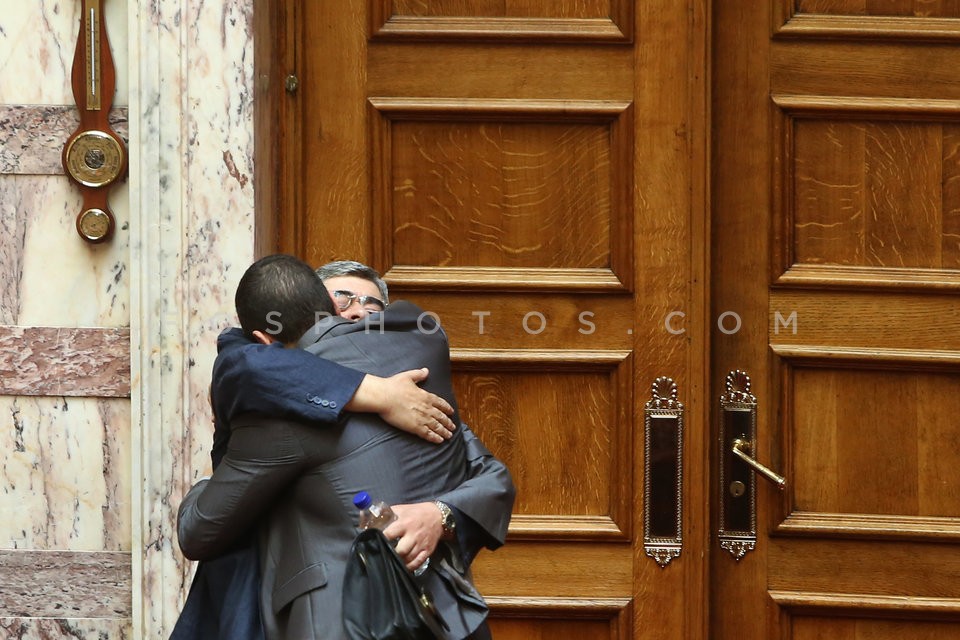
866,319
548,618
871,194
505,278
586,572
741,188
502,185
337,179
874,28
489,8
501,194
913,8
877,527
559,429
512,173
894,69
490,20
550,72
840,464
854,244
865,568
555,628
811,624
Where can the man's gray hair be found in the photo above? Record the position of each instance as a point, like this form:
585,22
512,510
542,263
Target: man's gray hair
357,269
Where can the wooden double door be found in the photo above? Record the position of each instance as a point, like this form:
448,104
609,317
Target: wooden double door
595,195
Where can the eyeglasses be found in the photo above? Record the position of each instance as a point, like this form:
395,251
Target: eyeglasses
344,299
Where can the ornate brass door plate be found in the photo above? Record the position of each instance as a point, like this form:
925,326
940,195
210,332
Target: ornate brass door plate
738,467
663,473
737,485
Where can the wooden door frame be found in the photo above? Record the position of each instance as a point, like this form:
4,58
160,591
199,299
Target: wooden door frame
276,34
277,144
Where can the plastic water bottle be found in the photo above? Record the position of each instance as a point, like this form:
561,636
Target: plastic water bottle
379,515
375,515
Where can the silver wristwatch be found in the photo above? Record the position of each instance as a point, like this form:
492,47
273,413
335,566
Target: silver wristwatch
447,520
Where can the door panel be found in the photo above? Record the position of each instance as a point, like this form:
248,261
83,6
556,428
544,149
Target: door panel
514,167
533,173
834,180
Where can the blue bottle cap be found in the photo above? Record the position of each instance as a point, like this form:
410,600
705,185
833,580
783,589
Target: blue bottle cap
362,500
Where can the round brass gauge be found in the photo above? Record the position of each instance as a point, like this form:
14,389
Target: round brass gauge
94,158
95,225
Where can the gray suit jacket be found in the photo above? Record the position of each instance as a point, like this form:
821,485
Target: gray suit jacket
306,477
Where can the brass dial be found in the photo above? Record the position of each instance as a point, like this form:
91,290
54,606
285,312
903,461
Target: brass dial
95,225
94,158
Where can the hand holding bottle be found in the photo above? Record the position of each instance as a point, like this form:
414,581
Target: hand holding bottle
414,529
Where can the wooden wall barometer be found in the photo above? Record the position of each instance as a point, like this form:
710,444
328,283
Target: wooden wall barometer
95,156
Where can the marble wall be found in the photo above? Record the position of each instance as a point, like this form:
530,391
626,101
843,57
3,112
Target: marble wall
105,350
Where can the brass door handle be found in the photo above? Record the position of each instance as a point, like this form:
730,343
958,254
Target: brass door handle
741,449
737,530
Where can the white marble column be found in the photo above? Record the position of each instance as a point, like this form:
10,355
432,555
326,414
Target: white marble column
191,211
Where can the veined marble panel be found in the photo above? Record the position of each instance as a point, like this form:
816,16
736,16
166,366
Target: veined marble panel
191,239
55,584
58,361
187,65
72,628
66,475
219,192
32,137
49,276
36,54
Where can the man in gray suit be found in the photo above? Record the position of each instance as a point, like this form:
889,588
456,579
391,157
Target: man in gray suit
303,478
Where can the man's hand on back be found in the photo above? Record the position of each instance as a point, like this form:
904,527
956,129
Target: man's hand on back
404,405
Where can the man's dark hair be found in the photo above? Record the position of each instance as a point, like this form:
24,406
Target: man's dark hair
281,296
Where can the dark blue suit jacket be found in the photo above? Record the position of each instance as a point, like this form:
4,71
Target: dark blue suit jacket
224,599
270,380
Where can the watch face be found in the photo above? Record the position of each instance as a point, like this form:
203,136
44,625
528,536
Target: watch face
448,521
94,158
94,224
